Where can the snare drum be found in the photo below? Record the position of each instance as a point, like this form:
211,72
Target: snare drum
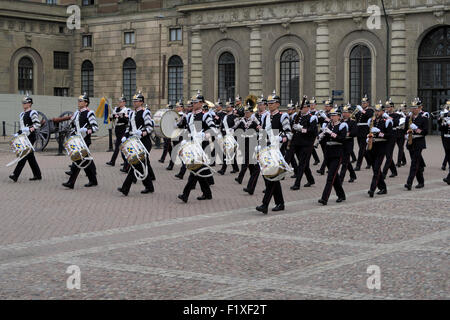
21,145
133,150
273,166
192,155
76,148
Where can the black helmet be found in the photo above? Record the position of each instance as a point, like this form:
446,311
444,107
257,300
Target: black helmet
122,98
229,103
238,98
84,97
219,103
170,106
312,101
365,99
389,103
328,102
240,111
27,99
379,106
261,100
198,97
274,98
180,104
335,111
138,97
248,108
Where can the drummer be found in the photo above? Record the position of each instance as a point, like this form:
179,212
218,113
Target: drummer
29,123
182,124
141,126
121,115
277,121
83,122
192,118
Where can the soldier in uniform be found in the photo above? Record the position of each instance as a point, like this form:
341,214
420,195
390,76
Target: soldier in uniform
29,123
380,135
305,132
289,154
445,130
324,117
141,126
84,122
362,118
182,124
416,126
274,120
197,116
348,144
395,117
227,127
121,116
333,134
261,111
247,126
400,133
313,111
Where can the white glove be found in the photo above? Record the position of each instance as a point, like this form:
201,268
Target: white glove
83,132
385,115
26,130
280,138
375,130
359,108
137,133
324,125
297,127
16,135
414,127
123,139
323,115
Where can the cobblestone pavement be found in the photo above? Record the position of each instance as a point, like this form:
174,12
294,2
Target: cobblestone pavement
156,247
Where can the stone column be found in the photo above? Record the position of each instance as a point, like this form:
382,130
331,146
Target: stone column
255,65
196,62
398,60
322,87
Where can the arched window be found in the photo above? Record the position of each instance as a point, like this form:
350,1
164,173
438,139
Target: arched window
289,77
434,69
227,80
360,73
129,79
175,85
25,75
87,78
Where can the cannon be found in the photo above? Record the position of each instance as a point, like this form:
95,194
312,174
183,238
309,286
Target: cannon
59,127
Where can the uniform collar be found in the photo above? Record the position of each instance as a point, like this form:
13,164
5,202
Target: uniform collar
275,112
84,109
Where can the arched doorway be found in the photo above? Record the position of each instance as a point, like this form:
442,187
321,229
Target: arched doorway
434,70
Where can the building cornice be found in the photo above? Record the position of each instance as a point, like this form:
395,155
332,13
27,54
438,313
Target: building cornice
33,11
228,4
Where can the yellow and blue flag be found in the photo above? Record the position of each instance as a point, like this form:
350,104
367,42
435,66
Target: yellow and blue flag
103,111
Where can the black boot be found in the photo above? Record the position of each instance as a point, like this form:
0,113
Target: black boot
262,208
13,178
278,207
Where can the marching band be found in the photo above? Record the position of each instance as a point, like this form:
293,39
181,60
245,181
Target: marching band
255,134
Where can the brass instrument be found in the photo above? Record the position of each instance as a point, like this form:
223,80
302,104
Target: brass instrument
353,115
251,100
410,132
370,135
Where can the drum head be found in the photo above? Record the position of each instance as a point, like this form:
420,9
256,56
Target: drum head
168,120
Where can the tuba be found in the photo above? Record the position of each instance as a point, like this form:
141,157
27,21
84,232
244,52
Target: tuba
251,100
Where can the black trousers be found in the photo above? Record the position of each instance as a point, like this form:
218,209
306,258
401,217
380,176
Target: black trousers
90,170
31,159
446,143
242,172
273,188
117,143
147,182
315,156
333,181
417,167
254,175
290,158
224,164
167,149
376,156
347,165
182,170
324,162
362,150
192,181
389,164
303,154
400,141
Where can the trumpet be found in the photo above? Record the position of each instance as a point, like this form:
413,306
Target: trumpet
321,136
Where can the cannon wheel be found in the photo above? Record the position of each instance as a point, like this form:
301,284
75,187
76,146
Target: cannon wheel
64,125
43,133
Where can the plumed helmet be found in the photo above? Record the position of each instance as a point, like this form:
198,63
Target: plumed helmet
84,97
274,98
138,97
27,99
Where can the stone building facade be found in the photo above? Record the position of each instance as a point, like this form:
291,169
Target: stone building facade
234,47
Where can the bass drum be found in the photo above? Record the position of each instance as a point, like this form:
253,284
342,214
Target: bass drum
272,163
165,124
